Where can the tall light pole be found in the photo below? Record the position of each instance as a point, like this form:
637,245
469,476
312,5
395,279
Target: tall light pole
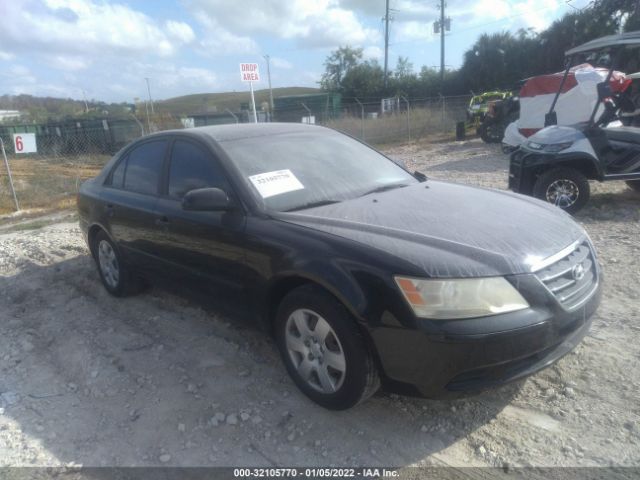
386,42
266,57
149,92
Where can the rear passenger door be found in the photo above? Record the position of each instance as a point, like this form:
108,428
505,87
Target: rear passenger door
130,200
204,245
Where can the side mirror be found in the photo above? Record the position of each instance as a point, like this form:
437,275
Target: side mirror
604,90
421,177
206,200
550,118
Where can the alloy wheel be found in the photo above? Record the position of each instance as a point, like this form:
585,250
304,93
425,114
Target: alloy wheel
563,193
315,350
108,264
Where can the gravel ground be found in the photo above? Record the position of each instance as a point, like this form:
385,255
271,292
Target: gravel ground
160,379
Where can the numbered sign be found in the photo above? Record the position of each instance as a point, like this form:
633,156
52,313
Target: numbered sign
24,143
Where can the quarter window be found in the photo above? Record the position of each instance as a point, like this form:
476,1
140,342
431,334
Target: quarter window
192,167
144,166
117,177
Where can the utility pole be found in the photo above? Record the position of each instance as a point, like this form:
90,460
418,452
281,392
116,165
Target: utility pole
149,92
86,105
266,57
439,26
442,4
386,42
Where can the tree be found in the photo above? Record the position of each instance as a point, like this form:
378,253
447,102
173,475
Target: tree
365,81
338,65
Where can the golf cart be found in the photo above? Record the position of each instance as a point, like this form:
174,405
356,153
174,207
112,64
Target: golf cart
556,163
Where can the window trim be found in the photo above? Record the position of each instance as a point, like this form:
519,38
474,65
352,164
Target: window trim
108,182
212,158
125,158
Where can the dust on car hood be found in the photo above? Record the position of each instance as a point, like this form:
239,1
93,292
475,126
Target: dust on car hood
450,230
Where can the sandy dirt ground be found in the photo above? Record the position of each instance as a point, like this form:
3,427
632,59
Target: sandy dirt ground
160,379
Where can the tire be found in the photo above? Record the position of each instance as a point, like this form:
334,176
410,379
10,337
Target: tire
634,185
564,187
115,275
491,133
313,332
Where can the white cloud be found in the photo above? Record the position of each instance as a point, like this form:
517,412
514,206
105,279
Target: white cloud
281,63
17,74
372,53
322,23
180,31
69,63
86,27
6,55
220,41
165,77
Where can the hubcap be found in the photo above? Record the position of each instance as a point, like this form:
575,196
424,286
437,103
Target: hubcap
563,193
315,351
108,264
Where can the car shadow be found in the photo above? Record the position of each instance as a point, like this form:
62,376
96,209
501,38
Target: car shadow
160,379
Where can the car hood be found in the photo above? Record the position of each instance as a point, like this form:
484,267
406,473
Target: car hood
449,230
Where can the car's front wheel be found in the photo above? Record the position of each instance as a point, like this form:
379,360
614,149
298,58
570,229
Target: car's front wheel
566,188
323,350
116,277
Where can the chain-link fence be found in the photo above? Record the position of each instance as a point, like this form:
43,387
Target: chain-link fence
72,151
407,119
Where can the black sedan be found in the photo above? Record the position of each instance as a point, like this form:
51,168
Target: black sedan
365,274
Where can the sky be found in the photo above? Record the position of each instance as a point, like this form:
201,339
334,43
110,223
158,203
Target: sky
104,49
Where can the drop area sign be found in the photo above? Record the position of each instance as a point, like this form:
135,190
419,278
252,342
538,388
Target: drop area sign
249,72
24,143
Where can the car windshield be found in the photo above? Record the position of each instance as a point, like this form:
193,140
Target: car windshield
297,170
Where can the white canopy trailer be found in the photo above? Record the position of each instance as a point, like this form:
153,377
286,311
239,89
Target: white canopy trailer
578,96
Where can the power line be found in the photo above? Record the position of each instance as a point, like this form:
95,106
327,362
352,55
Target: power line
481,25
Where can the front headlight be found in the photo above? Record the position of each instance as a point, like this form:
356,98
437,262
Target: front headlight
557,147
460,298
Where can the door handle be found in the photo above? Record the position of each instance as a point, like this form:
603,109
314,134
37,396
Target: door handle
109,209
162,221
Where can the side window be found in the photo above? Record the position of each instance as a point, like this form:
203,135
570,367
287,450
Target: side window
192,167
144,166
117,177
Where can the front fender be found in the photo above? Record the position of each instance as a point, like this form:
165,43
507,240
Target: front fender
525,166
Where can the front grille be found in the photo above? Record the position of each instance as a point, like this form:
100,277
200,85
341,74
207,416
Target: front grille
515,169
573,278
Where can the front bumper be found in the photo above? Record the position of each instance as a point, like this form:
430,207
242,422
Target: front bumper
521,178
463,359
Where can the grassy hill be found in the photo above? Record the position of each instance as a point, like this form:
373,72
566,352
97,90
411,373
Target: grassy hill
210,102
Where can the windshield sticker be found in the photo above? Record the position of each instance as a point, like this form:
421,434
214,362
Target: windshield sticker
274,183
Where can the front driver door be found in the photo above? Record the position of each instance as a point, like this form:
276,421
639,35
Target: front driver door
130,199
204,245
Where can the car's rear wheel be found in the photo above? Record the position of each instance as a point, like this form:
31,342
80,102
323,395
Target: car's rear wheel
563,187
323,350
116,276
634,185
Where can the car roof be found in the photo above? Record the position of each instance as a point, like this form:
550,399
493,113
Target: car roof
226,133
627,38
